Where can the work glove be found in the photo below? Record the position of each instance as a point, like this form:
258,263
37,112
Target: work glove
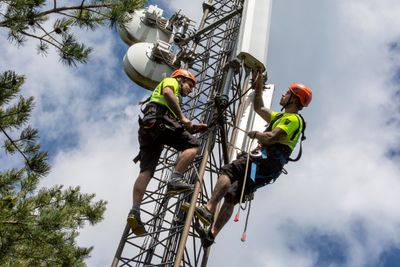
198,128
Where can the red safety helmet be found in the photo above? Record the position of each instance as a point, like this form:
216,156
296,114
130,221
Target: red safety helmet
303,92
184,73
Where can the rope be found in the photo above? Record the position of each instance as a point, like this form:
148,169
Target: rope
244,181
243,239
247,163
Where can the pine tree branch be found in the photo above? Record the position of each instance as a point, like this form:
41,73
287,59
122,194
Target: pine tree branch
9,115
4,23
48,34
10,222
68,15
48,204
42,39
15,145
80,7
77,18
99,13
83,1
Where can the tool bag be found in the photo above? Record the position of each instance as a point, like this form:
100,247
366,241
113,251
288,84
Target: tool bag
157,119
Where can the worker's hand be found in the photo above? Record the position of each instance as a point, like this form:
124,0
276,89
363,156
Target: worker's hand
186,123
256,74
252,134
200,127
257,79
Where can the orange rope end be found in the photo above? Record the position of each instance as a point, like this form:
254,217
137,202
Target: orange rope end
243,237
236,217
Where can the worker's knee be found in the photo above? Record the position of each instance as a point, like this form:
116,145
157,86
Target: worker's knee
146,174
229,199
192,151
224,179
196,149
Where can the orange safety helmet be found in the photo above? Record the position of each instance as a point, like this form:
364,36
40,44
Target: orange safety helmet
184,73
303,92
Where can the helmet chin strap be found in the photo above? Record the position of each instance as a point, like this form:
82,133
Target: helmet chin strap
179,79
288,102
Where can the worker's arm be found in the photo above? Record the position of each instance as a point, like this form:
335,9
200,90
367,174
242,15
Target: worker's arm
173,103
268,138
258,102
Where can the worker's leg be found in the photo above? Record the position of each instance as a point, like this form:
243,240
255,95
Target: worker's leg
188,145
220,190
224,215
177,184
150,151
134,220
205,212
140,186
223,186
227,181
185,159
229,186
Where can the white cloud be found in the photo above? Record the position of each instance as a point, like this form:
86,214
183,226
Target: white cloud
192,9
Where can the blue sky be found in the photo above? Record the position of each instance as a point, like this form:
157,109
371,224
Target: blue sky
336,207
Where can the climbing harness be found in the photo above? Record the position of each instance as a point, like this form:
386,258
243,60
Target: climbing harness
302,126
302,122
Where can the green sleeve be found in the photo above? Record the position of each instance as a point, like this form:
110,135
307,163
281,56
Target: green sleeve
172,83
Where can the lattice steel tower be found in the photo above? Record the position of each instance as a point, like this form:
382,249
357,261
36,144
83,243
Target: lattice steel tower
221,52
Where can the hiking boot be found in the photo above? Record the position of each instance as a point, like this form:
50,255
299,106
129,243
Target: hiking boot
178,186
135,223
206,237
201,213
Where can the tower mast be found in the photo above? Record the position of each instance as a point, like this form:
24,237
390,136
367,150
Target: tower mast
232,39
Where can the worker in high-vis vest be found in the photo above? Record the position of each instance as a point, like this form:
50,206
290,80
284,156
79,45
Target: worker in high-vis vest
275,144
163,123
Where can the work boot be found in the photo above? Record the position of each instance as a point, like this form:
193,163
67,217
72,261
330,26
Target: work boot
135,223
201,213
178,186
206,237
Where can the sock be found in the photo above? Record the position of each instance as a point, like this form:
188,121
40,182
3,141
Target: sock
135,207
210,234
176,175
